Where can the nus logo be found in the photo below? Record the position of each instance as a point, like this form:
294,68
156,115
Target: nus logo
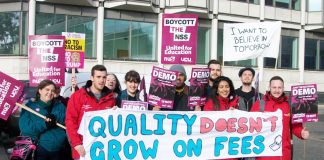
169,59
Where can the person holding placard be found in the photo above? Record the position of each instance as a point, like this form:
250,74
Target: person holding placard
131,93
181,94
273,100
49,137
92,97
215,71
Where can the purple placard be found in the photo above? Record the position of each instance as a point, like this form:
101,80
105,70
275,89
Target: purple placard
134,105
162,87
304,103
197,93
46,59
179,38
10,91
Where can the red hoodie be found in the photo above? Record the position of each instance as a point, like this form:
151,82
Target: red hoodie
271,105
82,101
225,104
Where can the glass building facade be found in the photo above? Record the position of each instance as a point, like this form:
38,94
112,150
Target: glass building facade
136,40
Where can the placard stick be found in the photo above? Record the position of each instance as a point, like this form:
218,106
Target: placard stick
305,146
73,75
37,114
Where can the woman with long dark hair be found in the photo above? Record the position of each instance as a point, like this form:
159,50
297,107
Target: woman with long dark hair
222,95
50,138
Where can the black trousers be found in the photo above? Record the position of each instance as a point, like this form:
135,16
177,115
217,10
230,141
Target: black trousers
43,154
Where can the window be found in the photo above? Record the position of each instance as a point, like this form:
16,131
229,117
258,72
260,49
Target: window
295,4
269,62
50,24
255,1
288,55
220,35
129,40
269,2
282,3
203,45
12,29
55,24
84,25
321,58
290,4
24,34
249,1
314,5
310,54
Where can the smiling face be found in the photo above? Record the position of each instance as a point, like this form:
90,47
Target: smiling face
276,88
131,87
223,89
47,93
111,82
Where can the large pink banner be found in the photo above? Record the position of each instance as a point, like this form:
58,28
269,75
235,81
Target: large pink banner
179,38
10,91
46,59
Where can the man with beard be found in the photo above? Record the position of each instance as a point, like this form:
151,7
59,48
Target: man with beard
246,92
181,95
215,71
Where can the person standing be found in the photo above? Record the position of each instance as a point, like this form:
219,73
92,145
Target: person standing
113,84
131,93
181,95
273,100
93,96
246,92
222,97
49,137
215,71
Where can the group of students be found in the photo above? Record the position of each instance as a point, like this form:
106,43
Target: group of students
103,91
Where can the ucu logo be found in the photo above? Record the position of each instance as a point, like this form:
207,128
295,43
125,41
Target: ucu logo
185,59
